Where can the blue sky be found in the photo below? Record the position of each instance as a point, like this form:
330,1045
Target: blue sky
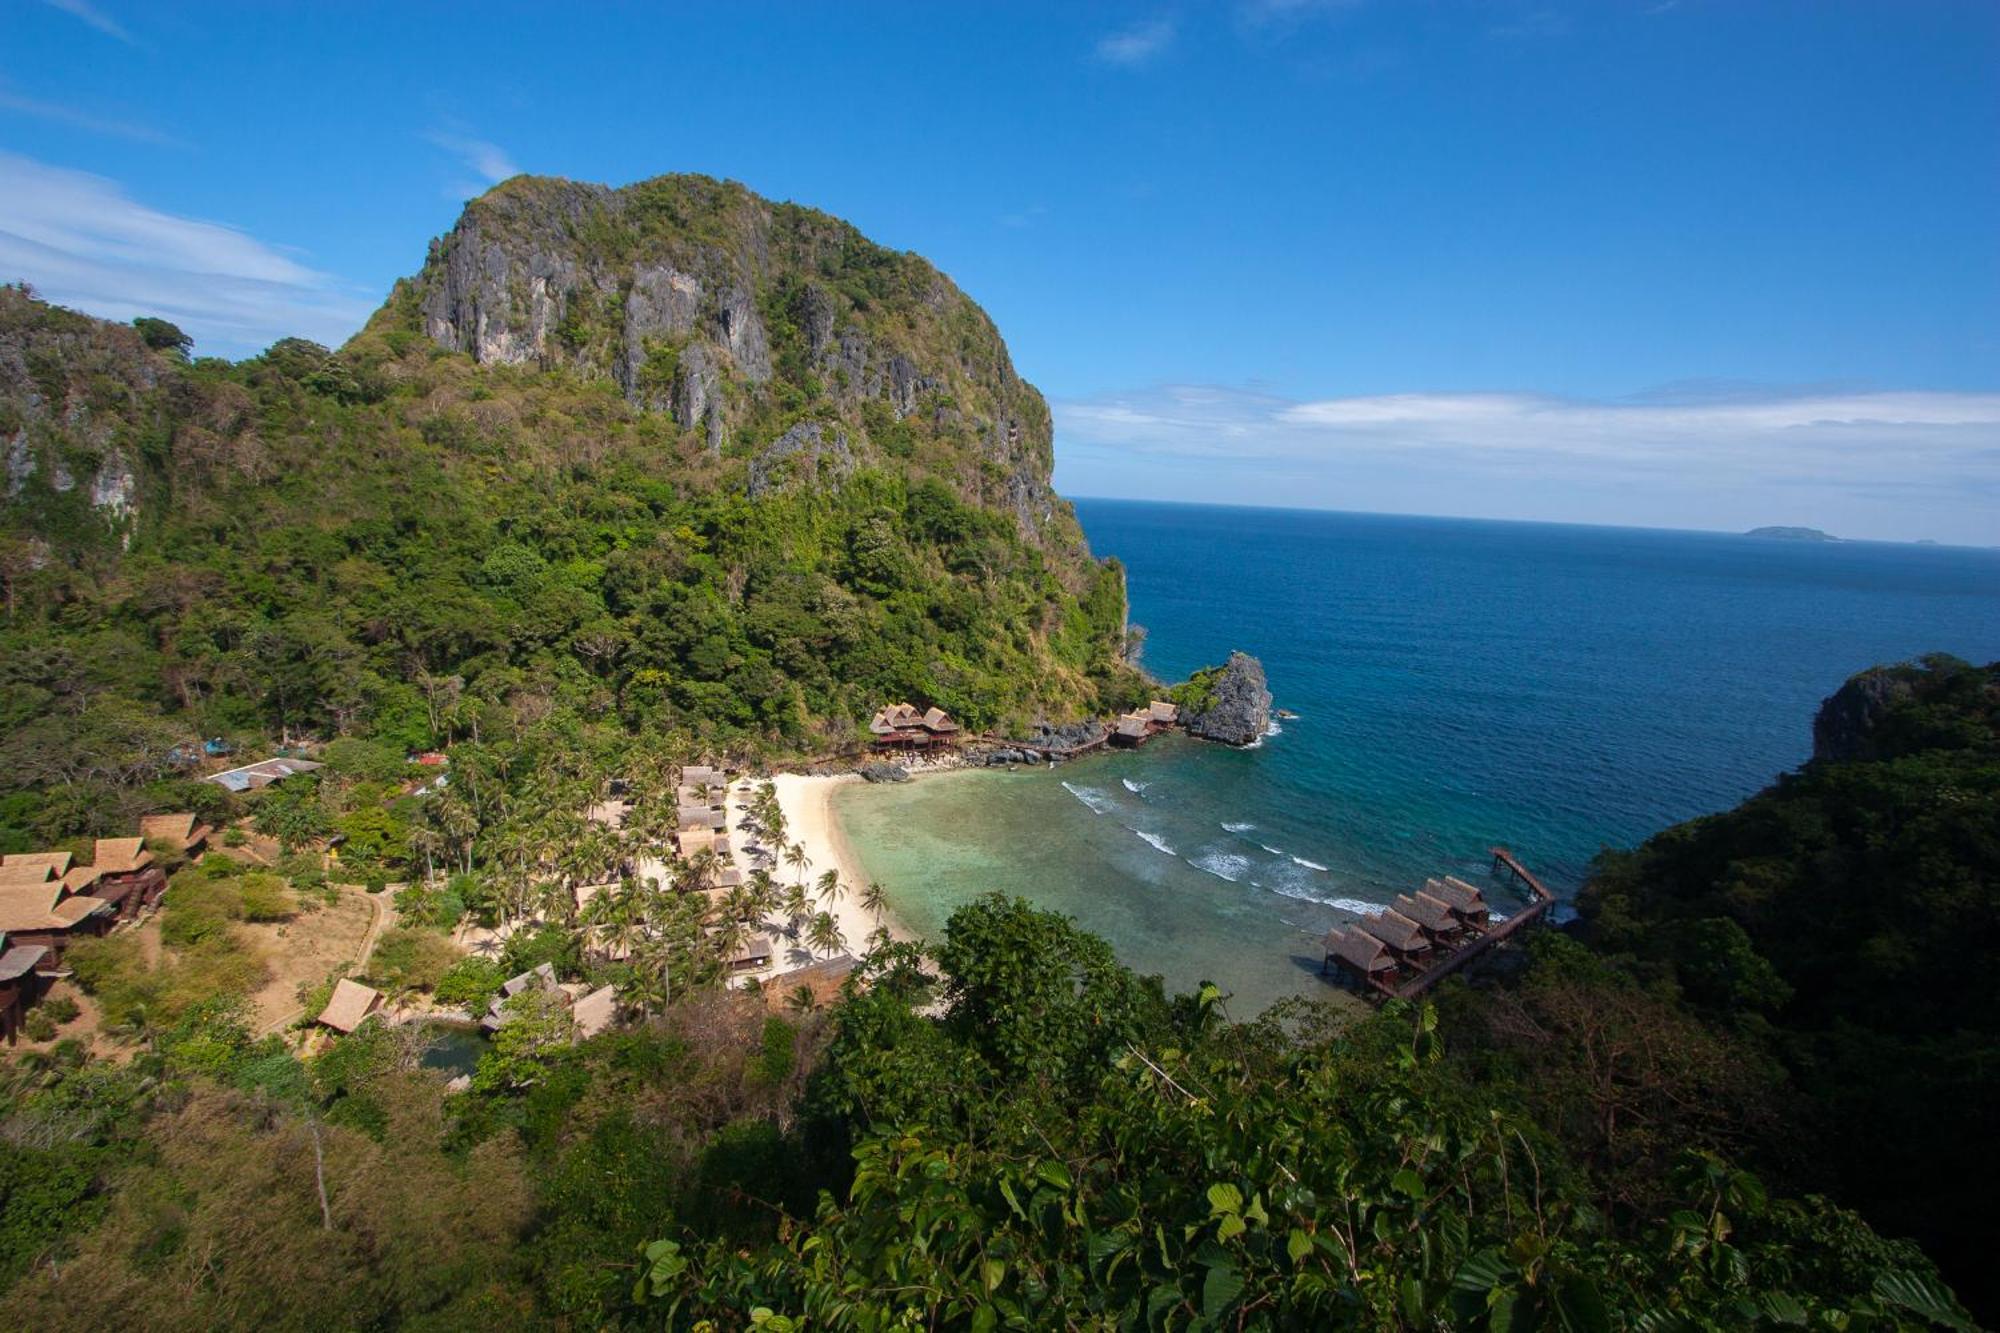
1698,263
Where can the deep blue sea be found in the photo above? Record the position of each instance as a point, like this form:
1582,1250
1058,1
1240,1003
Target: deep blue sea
1459,683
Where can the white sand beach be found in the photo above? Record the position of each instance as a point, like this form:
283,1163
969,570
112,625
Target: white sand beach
807,803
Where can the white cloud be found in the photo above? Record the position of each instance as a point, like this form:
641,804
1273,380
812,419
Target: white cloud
95,17
84,120
485,160
82,242
1140,44
1875,463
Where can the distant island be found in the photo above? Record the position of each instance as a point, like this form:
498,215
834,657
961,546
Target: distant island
1792,534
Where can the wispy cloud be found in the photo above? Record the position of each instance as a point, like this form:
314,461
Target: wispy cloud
95,17
84,120
487,161
1927,455
1139,44
83,242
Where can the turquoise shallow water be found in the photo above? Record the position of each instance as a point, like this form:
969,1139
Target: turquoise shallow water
1459,684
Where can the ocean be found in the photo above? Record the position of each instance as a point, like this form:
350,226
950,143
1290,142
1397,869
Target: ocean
1556,689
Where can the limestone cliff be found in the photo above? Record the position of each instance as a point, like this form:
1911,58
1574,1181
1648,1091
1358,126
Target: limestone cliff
1230,703
772,333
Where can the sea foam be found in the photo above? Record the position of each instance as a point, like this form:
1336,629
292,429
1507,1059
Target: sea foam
1222,865
1098,801
1134,787
1309,865
1154,841
1239,828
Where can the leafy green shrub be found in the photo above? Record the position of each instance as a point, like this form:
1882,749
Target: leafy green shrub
470,983
410,960
39,1026
61,1008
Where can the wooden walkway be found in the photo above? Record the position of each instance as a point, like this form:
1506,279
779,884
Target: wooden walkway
1048,751
1542,900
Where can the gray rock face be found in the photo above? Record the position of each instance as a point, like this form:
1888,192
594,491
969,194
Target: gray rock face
1846,717
665,287
1241,712
20,462
885,773
114,486
808,452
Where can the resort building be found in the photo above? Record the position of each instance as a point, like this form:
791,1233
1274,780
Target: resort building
178,832
1358,954
1437,918
701,816
257,776
595,1012
21,984
752,954
903,726
37,908
1467,903
1137,726
350,1005
1405,939
126,876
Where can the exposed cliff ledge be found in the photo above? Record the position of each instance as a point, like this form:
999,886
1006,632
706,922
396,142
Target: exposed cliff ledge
747,321
1230,703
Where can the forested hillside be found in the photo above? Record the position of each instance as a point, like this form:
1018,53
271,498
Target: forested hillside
670,460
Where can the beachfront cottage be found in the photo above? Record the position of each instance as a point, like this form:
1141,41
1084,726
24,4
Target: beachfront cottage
350,1005
1405,938
701,775
1359,955
701,816
1162,713
904,726
178,832
1131,728
752,954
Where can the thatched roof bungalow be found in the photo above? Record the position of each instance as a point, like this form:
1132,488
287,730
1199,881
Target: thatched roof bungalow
1405,938
350,1005
1360,953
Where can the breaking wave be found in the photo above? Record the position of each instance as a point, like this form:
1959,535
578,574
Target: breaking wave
1309,865
1239,828
1134,787
1222,865
1099,802
1155,841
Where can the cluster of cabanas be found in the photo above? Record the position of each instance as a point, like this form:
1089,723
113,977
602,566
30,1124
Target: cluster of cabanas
1135,727
1410,934
906,726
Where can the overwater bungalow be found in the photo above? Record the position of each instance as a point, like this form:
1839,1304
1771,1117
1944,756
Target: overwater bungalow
1359,954
1131,729
1405,939
1467,903
1436,917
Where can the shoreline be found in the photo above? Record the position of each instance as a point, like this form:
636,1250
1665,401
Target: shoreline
807,802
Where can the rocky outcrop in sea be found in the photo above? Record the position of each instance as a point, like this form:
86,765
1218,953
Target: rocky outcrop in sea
1237,708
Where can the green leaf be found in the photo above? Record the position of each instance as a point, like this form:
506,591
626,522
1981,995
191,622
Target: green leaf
985,1319
1255,1212
1298,1245
1219,1291
1232,1226
992,1271
1580,1308
1483,1272
1920,1295
1007,1193
1408,1182
1224,1199
1054,1173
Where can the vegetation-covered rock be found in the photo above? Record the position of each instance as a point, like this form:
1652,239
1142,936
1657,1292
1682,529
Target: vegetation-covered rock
1230,703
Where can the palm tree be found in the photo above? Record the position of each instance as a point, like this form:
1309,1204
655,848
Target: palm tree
829,887
796,858
802,1000
824,935
874,901
797,905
